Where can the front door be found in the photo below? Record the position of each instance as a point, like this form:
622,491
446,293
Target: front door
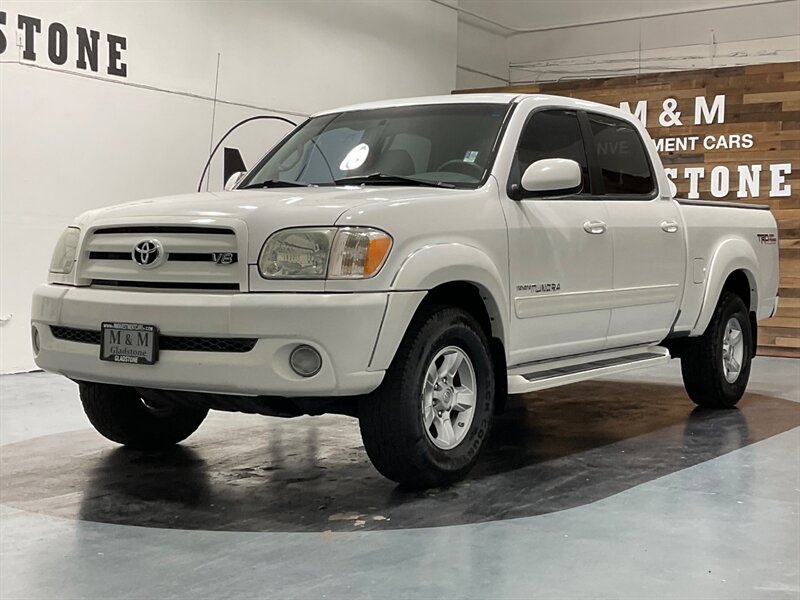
560,253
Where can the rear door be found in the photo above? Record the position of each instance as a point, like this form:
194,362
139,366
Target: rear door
560,253
649,249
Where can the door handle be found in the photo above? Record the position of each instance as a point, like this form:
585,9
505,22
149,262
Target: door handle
594,227
669,226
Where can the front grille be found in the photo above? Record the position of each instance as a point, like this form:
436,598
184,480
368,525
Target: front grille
213,257
164,229
165,342
193,258
165,285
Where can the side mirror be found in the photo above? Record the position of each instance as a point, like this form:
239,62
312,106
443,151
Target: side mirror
233,180
552,176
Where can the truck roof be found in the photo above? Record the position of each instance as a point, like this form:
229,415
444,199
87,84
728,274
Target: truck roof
497,98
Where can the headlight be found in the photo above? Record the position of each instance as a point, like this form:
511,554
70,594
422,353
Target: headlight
296,254
358,253
320,253
65,252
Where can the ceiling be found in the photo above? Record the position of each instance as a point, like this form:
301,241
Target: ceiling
516,15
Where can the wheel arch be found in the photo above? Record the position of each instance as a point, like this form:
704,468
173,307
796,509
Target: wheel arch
732,269
455,275
446,269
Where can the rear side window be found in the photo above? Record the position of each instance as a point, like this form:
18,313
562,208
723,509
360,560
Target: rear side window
552,134
622,157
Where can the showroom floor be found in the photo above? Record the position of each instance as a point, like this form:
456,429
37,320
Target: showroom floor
610,489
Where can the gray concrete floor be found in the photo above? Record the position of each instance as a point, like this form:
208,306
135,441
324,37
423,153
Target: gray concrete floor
610,489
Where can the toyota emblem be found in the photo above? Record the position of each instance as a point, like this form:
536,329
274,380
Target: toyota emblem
148,254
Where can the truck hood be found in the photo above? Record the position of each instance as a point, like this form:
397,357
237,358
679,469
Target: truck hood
262,211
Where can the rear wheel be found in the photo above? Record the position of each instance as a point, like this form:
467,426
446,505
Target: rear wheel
121,415
716,365
427,423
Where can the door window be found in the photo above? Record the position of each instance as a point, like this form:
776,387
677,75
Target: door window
622,157
553,134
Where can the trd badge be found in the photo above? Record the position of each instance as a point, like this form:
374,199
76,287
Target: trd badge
767,238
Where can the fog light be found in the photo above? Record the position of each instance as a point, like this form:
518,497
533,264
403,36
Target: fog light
305,361
35,340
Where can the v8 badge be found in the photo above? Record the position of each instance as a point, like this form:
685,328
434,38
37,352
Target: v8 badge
224,258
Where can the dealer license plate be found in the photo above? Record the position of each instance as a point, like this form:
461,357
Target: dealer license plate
130,343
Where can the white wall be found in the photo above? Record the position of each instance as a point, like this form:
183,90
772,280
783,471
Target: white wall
482,55
511,41
72,140
720,37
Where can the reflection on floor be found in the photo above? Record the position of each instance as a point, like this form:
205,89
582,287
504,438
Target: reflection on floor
577,447
550,451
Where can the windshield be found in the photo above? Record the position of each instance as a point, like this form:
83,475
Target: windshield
451,145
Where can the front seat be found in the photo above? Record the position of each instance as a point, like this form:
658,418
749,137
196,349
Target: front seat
395,162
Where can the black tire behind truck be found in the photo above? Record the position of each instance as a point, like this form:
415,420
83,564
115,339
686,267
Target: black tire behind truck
122,415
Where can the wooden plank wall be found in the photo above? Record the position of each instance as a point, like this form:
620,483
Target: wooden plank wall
763,100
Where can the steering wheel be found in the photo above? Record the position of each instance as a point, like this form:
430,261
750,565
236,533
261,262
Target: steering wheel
465,168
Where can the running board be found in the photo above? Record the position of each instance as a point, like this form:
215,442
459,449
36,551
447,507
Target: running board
553,373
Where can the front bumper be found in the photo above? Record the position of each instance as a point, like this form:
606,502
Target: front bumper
344,328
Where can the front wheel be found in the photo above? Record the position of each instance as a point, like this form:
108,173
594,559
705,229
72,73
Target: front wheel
716,365
121,415
428,421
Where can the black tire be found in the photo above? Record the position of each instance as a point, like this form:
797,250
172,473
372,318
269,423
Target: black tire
702,359
391,418
119,414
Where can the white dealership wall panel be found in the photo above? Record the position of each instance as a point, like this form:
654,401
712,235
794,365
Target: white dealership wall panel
72,139
482,54
509,41
604,39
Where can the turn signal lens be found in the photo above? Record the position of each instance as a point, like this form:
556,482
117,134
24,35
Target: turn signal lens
358,253
35,341
376,251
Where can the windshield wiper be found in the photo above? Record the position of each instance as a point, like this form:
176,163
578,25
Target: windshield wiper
384,178
274,183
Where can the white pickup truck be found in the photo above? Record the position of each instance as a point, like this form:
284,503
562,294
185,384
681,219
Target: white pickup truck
410,263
